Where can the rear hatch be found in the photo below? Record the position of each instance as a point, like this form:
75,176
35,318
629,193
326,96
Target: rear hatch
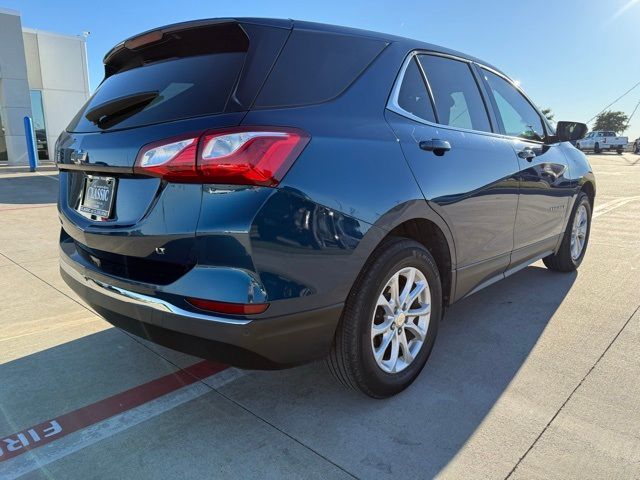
165,83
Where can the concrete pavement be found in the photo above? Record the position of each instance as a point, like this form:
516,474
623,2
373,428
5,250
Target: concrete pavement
537,376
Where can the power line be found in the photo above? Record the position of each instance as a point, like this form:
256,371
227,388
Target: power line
621,96
631,116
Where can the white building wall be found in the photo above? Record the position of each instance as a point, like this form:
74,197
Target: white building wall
15,103
63,77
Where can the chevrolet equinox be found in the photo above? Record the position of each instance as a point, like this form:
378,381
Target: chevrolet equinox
269,192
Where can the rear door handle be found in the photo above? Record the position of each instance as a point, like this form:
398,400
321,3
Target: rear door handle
435,145
527,154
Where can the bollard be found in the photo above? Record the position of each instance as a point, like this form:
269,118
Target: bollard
31,144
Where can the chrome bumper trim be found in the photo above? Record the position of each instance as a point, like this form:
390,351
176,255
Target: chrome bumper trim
142,300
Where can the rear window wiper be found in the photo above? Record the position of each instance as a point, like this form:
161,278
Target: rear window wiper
120,106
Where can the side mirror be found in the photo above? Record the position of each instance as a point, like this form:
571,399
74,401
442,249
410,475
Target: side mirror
569,132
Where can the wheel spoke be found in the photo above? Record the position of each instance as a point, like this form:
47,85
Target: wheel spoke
381,328
420,286
410,277
393,359
394,289
418,312
385,304
407,356
416,330
386,340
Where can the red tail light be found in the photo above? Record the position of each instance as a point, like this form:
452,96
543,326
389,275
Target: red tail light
229,308
242,155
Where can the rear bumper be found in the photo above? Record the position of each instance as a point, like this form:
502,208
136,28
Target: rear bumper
264,343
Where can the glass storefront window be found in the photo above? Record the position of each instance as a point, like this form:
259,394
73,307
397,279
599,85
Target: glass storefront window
3,143
38,124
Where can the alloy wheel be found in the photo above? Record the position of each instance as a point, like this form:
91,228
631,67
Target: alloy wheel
579,232
401,320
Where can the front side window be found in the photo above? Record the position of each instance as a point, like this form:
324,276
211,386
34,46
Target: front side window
413,96
518,117
455,92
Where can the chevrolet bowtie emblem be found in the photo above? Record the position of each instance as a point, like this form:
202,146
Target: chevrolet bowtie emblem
78,157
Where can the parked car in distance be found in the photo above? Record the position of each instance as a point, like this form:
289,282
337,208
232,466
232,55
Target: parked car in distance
600,141
269,192
636,145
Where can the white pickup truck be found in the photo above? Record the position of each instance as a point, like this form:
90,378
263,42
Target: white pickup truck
600,140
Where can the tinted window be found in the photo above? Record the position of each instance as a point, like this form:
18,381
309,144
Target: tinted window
456,94
181,88
413,96
518,117
316,66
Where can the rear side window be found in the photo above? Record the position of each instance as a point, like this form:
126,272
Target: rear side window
518,117
413,96
315,67
456,94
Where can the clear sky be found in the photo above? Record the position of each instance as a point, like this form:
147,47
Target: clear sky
574,56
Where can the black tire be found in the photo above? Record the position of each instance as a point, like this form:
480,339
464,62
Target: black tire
619,151
596,148
351,359
562,260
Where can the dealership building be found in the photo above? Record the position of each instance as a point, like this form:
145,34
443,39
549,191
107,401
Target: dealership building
44,76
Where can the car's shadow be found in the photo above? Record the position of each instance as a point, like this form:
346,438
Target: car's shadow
482,343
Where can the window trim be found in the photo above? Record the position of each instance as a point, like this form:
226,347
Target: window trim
392,103
487,98
397,86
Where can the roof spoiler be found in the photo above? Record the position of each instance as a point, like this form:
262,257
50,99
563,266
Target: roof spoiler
156,35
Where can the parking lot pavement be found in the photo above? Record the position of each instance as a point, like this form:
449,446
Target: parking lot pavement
537,376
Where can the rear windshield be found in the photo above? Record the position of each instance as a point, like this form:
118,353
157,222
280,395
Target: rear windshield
161,92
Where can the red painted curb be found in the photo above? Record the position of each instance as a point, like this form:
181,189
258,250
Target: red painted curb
46,432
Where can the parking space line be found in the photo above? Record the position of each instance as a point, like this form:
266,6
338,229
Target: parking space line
577,387
27,208
74,442
612,205
50,177
39,435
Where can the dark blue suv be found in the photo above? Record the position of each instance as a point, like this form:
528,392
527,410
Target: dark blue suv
269,192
